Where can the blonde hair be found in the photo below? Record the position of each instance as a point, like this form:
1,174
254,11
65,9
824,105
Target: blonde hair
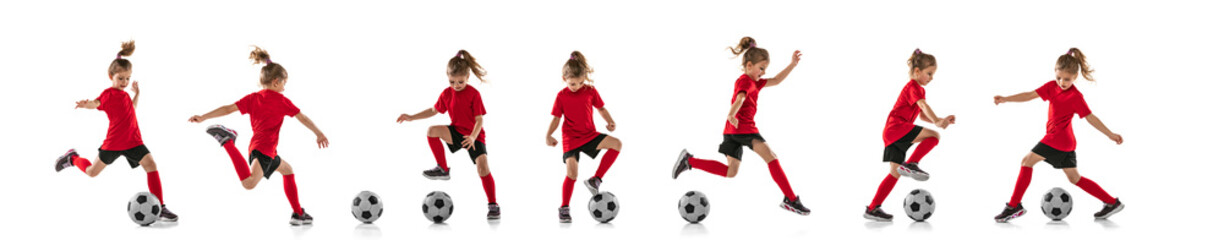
271,71
1074,61
120,64
748,48
577,66
462,64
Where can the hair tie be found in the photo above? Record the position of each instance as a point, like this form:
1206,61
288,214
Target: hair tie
918,51
119,56
459,55
752,45
268,61
572,57
1071,52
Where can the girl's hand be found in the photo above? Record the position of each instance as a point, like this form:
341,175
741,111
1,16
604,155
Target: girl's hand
136,87
551,142
611,126
795,57
403,118
196,119
322,141
82,103
942,123
469,142
1116,138
951,119
734,122
998,99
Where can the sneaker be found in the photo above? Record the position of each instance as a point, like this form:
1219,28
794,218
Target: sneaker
1010,213
682,163
298,220
794,206
167,215
912,170
494,212
437,173
65,161
877,214
593,184
563,213
221,133
1110,209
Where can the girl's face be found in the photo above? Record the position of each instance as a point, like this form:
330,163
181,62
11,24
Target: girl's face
574,83
923,76
120,79
756,70
458,83
1065,79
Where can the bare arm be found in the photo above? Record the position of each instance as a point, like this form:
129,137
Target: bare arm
1096,123
320,138
427,113
136,91
1019,97
607,118
735,107
552,127
88,104
929,115
221,111
469,141
777,79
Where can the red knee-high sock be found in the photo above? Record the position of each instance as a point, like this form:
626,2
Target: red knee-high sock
567,190
489,187
435,144
292,194
886,187
1022,183
240,166
81,163
155,186
711,166
1096,191
922,149
606,162
779,177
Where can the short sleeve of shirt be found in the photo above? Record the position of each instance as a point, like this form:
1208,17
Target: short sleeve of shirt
914,94
1081,107
556,111
1046,91
102,101
596,100
742,86
477,106
244,104
443,102
290,109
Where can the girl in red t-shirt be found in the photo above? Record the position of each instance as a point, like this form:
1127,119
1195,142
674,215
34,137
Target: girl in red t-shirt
123,134
741,131
900,132
466,110
1058,146
268,109
579,136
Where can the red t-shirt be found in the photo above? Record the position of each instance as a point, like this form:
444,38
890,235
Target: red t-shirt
123,133
1063,104
578,108
463,106
268,110
748,110
904,112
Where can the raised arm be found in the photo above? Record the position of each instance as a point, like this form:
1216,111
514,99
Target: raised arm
777,79
603,112
1096,123
735,107
136,95
88,104
1019,97
221,111
320,138
421,115
552,127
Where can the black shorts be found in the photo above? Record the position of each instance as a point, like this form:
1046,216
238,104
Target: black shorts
268,164
590,148
733,144
895,152
133,155
1054,157
478,148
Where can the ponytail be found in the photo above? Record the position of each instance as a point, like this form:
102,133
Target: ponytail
748,48
120,64
462,64
577,66
919,60
1074,61
271,71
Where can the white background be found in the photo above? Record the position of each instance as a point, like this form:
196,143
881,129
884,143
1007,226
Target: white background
666,75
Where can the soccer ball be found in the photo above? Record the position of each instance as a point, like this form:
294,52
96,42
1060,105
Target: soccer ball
1056,204
437,206
603,207
367,207
144,208
694,206
919,205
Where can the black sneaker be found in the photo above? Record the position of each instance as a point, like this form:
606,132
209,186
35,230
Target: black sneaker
563,213
65,161
682,163
1010,213
298,220
794,206
221,133
1110,209
494,212
593,184
877,214
437,173
167,215
912,170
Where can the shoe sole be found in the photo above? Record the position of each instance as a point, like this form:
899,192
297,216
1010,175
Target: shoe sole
1010,217
788,208
437,177
676,167
168,220
877,219
567,221
216,130
1111,213
594,190
912,174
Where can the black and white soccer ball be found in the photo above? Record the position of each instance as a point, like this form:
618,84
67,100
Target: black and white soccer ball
367,207
694,206
919,205
437,206
144,208
603,207
1056,204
